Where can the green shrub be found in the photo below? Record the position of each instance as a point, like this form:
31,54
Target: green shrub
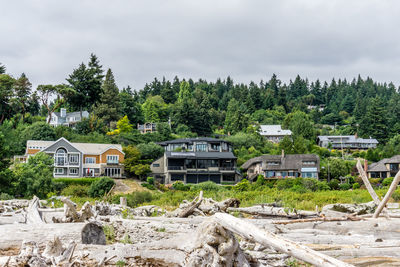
334,184
5,196
374,181
284,184
323,186
150,180
76,181
161,187
309,184
207,186
356,186
260,180
133,199
149,186
299,189
75,190
179,185
344,186
396,195
101,187
387,181
242,186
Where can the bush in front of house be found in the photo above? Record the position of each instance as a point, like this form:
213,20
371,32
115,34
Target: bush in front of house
356,186
75,191
179,185
387,181
101,187
345,186
334,184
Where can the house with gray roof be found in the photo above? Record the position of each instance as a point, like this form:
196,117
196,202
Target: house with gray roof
274,133
283,166
66,118
384,168
196,160
79,159
346,142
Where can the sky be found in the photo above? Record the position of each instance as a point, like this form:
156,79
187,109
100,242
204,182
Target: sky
248,40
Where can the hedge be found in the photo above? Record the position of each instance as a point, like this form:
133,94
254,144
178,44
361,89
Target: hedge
76,181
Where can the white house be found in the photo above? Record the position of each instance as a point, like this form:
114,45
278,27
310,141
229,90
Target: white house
66,118
274,133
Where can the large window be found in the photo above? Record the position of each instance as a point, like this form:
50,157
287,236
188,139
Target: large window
113,159
190,164
215,146
60,157
112,172
201,147
90,160
205,163
74,159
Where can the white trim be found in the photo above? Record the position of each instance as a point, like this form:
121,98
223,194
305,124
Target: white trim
62,138
90,162
112,147
56,170
112,156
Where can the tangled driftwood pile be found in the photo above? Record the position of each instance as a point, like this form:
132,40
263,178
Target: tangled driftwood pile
200,233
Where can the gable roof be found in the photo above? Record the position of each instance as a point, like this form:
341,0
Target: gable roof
347,139
273,130
288,162
85,148
191,140
380,165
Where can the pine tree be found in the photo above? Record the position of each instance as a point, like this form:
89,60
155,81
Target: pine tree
374,122
107,109
2,69
22,91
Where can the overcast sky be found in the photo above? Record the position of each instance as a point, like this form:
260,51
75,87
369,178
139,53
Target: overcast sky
248,40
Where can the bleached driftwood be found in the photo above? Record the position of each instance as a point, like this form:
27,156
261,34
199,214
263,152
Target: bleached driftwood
269,211
389,193
193,205
319,219
72,215
251,232
366,182
216,246
33,214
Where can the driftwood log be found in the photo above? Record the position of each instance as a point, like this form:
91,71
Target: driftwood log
366,182
33,214
251,232
269,211
319,219
192,206
389,193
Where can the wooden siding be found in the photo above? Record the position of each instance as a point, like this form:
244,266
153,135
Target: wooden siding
31,151
112,151
92,156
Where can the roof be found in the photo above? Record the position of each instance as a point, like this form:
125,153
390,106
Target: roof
71,114
200,155
273,130
348,139
380,165
288,162
86,148
191,140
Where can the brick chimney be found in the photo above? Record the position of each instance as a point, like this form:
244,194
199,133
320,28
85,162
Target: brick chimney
365,165
356,135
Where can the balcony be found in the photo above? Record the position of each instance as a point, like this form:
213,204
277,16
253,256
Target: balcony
112,162
176,168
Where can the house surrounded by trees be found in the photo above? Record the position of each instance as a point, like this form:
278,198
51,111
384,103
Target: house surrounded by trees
283,166
66,118
346,142
196,160
79,159
274,133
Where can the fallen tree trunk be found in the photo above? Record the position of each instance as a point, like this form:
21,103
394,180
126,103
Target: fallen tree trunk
33,214
251,232
319,219
192,206
269,211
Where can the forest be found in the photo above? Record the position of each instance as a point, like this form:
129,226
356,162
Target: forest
186,108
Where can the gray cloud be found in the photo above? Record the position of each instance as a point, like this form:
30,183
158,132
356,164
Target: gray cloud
248,40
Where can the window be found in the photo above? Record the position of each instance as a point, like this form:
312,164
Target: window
74,159
59,171
73,171
90,160
112,172
112,159
309,162
60,158
273,163
215,146
190,164
201,147
156,165
224,146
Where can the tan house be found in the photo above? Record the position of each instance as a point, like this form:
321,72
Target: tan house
79,159
384,168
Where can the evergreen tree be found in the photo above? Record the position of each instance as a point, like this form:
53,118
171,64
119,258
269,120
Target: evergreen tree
22,91
86,81
6,92
107,109
129,106
374,122
2,69
236,118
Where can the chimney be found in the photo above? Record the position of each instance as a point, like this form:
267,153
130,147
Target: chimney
365,165
356,135
63,113
283,153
